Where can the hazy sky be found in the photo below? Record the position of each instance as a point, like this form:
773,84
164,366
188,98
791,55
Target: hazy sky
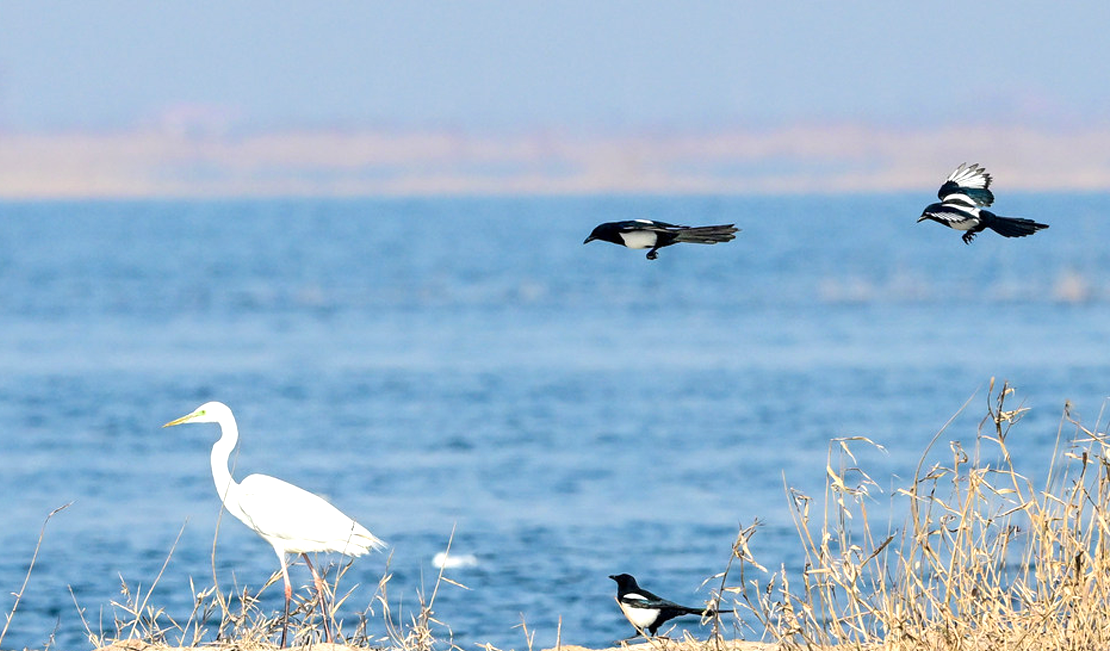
516,64
506,68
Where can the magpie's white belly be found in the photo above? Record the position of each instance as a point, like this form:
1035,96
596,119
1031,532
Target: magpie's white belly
639,239
965,225
640,617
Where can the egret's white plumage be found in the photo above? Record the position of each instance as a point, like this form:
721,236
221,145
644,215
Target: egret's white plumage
291,519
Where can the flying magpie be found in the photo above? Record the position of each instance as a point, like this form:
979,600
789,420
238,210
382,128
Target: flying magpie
962,199
647,611
648,234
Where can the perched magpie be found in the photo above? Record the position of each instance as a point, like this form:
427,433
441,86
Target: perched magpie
648,234
962,197
647,611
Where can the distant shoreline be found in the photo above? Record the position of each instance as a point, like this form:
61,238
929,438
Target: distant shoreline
182,162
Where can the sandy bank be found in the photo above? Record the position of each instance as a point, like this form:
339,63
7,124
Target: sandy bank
658,644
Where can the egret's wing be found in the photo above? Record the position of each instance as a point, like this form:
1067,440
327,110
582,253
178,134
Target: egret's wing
301,520
972,181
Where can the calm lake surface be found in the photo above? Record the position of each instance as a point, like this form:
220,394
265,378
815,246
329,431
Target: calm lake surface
570,411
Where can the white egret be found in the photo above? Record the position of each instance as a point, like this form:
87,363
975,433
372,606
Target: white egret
290,518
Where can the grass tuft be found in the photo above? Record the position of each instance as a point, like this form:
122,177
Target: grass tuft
985,559
235,619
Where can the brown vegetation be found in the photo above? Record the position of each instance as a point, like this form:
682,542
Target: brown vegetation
985,559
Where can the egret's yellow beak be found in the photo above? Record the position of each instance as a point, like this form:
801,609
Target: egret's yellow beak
183,419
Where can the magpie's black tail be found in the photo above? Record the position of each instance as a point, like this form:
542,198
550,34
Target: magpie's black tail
1012,226
706,611
707,234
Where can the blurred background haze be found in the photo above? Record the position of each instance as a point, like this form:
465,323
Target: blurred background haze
252,98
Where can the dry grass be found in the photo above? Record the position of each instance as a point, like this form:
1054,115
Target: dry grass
985,559
231,619
27,577
235,619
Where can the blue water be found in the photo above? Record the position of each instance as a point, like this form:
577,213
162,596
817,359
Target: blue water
571,411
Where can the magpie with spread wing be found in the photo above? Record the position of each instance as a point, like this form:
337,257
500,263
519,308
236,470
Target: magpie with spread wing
963,198
648,234
647,611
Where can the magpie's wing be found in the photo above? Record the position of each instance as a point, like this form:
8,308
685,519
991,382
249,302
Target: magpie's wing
645,599
948,214
972,181
648,225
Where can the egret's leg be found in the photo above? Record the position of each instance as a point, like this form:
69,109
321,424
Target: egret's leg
319,583
288,597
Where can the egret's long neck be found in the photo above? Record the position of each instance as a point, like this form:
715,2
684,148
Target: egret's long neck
221,453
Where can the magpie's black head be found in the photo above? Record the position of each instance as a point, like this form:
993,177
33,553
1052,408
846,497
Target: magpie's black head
925,214
609,232
625,582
